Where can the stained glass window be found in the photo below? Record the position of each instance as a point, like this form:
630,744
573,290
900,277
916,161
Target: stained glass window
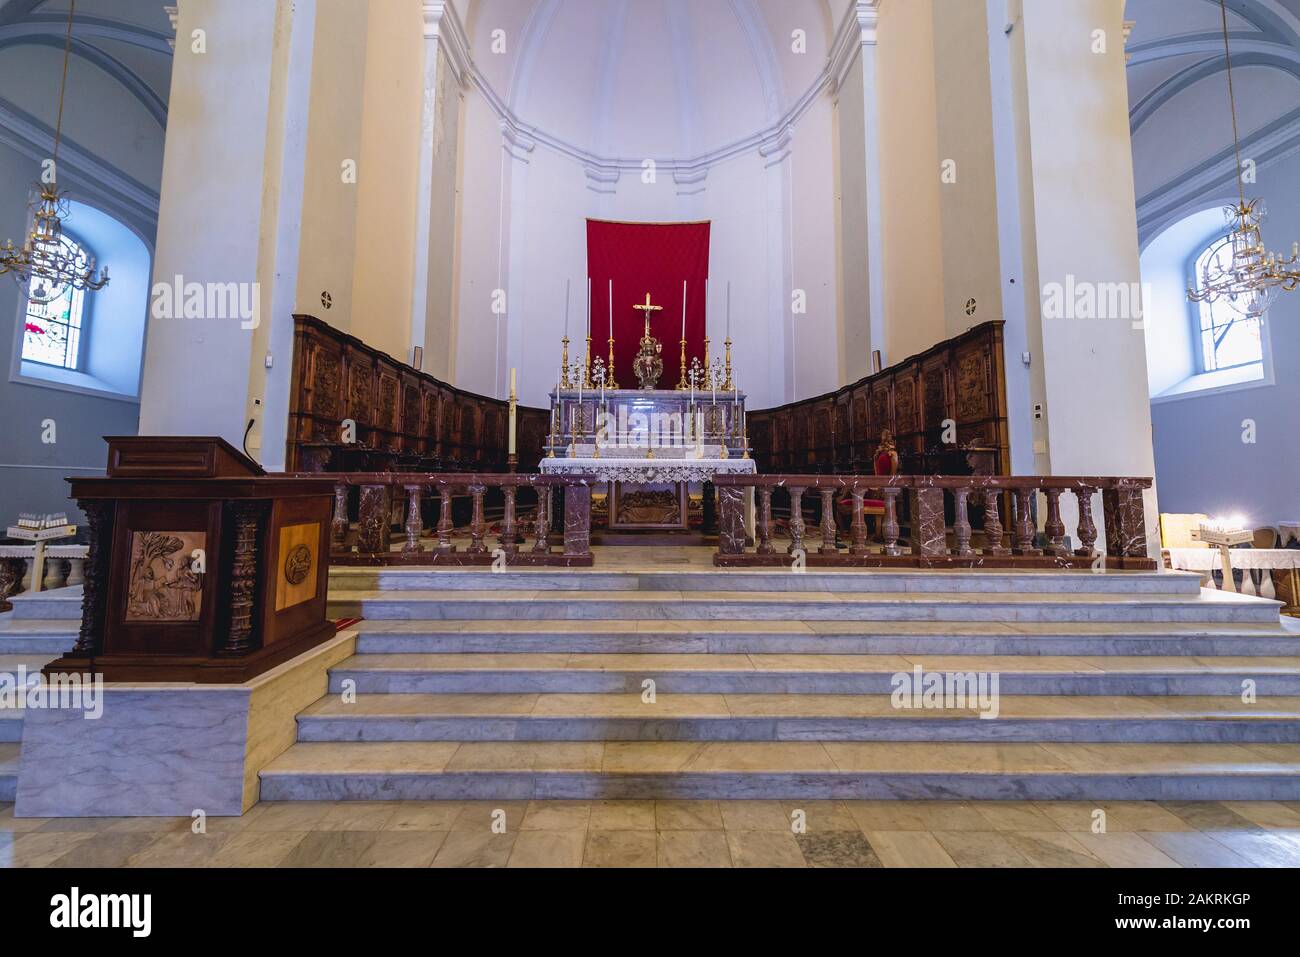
1228,339
53,331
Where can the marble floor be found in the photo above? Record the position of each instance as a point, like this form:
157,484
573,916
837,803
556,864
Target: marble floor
677,834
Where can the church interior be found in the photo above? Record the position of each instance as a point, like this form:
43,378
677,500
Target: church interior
650,433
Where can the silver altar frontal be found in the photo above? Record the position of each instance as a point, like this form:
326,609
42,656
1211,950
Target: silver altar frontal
650,447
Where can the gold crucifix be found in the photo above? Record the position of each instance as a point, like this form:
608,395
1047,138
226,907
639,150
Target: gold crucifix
647,309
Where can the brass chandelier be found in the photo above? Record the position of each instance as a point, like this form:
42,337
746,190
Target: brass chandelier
1252,277
47,264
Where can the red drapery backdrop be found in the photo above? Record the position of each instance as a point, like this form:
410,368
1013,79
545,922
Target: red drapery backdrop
652,258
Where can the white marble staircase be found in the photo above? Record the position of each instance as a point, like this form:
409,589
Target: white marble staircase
41,627
777,685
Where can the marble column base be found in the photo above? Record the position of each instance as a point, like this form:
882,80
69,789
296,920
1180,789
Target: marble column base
167,750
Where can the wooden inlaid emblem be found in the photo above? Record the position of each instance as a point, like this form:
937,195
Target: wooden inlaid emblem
296,582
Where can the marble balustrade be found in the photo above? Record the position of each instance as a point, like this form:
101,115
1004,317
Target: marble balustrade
523,539
64,565
1008,504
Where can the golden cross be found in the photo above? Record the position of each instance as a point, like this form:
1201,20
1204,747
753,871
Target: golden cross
647,309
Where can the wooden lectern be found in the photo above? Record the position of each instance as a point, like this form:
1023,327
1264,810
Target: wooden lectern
201,567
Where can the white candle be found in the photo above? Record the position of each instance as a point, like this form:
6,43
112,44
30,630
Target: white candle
611,309
567,283
588,307
683,309
728,308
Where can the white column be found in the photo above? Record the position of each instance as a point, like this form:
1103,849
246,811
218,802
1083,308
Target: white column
1079,234
861,267
446,61
213,204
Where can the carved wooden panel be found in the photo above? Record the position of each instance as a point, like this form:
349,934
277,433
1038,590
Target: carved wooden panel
972,382
934,392
397,409
960,379
386,412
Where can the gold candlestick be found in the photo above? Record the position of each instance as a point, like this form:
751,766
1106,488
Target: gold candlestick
612,383
564,363
728,386
682,385
586,375
706,352
744,438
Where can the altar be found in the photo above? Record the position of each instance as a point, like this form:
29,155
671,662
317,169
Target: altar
655,451
655,447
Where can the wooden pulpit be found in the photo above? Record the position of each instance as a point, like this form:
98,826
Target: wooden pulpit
201,567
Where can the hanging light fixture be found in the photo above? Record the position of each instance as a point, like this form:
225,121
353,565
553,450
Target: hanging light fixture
47,264
1251,278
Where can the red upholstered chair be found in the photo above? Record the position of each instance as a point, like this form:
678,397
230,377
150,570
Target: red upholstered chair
885,462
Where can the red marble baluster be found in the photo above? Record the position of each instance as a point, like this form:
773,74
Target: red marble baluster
961,531
765,521
993,523
444,521
890,527
859,526
1054,527
477,526
508,521
828,523
414,524
540,545
1087,527
1023,532
796,521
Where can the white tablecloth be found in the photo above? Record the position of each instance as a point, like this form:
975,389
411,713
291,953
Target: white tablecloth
642,470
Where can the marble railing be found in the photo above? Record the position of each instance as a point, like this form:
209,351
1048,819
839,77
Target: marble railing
519,542
975,502
64,565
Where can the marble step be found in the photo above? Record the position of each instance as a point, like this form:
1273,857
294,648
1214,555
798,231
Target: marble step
64,603
1205,607
753,717
825,637
804,674
484,770
37,636
8,771
343,578
11,725
10,665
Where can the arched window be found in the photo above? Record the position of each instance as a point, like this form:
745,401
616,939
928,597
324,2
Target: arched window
1228,340
54,327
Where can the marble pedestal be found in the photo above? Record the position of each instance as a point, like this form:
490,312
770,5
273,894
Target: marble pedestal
167,750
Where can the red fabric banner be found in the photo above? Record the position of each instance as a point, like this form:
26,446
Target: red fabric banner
654,258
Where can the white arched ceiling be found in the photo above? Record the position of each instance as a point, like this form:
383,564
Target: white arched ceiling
664,79
126,39
1178,98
